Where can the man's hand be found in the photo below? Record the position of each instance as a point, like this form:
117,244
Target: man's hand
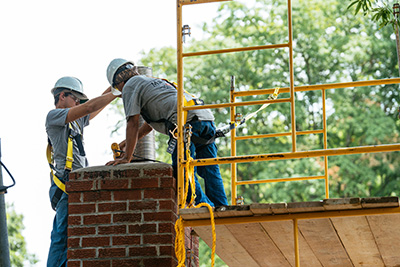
118,161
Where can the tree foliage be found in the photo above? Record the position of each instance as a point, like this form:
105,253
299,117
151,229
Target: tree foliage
331,45
19,255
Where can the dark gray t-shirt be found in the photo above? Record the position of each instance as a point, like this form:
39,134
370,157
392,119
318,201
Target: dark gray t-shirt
156,100
57,132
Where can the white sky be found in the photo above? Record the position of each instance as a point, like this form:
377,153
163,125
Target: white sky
44,40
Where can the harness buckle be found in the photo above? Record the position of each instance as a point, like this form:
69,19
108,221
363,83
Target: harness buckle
174,132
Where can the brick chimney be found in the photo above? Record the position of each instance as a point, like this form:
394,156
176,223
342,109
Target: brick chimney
124,216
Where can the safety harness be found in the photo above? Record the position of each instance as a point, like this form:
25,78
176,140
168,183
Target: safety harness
60,183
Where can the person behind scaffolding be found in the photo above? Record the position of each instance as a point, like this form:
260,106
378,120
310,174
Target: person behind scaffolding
156,100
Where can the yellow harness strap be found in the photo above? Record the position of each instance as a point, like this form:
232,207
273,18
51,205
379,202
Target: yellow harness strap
68,161
188,100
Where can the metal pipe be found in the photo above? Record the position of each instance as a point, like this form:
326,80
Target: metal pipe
396,13
191,2
314,87
180,159
231,50
291,72
298,154
146,146
4,245
233,145
276,180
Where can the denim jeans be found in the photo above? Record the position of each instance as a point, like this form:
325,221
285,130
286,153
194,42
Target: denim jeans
58,247
214,187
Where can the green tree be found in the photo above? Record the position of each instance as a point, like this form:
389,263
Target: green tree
19,256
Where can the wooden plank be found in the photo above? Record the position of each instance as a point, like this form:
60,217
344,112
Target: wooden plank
233,211
358,240
380,202
342,203
311,206
227,248
386,230
260,208
257,242
281,233
194,213
279,208
323,240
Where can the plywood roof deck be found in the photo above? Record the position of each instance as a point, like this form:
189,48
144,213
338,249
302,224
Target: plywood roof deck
332,232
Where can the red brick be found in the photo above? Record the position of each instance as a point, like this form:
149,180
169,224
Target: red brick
143,251
168,204
165,193
158,172
167,250
166,228
127,217
143,228
75,198
127,195
96,196
75,176
80,231
159,216
165,262
128,263
81,208
113,229
96,175
96,263
130,173
79,186
74,242
99,241
164,239
112,206
141,183
113,184
168,182
74,220
72,263
143,205
97,219
112,252
126,240
81,253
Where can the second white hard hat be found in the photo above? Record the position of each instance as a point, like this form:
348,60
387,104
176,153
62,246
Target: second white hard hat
112,68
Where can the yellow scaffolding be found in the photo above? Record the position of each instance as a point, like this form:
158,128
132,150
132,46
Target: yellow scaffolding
294,154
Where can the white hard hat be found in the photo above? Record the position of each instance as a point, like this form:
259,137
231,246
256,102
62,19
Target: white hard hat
70,83
112,68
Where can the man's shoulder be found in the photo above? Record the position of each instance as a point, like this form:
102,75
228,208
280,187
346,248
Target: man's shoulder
56,116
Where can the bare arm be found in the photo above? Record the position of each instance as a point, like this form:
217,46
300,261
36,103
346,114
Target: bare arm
93,106
132,136
144,130
94,114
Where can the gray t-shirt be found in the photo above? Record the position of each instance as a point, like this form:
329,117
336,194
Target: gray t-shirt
156,100
57,132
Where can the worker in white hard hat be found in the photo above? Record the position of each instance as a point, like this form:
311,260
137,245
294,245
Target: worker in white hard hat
64,127
156,101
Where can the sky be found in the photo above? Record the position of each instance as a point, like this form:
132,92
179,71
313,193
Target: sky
44,40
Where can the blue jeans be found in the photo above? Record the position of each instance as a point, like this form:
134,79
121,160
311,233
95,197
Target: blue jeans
214,187
58,247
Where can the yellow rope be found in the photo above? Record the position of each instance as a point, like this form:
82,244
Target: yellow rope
179,229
